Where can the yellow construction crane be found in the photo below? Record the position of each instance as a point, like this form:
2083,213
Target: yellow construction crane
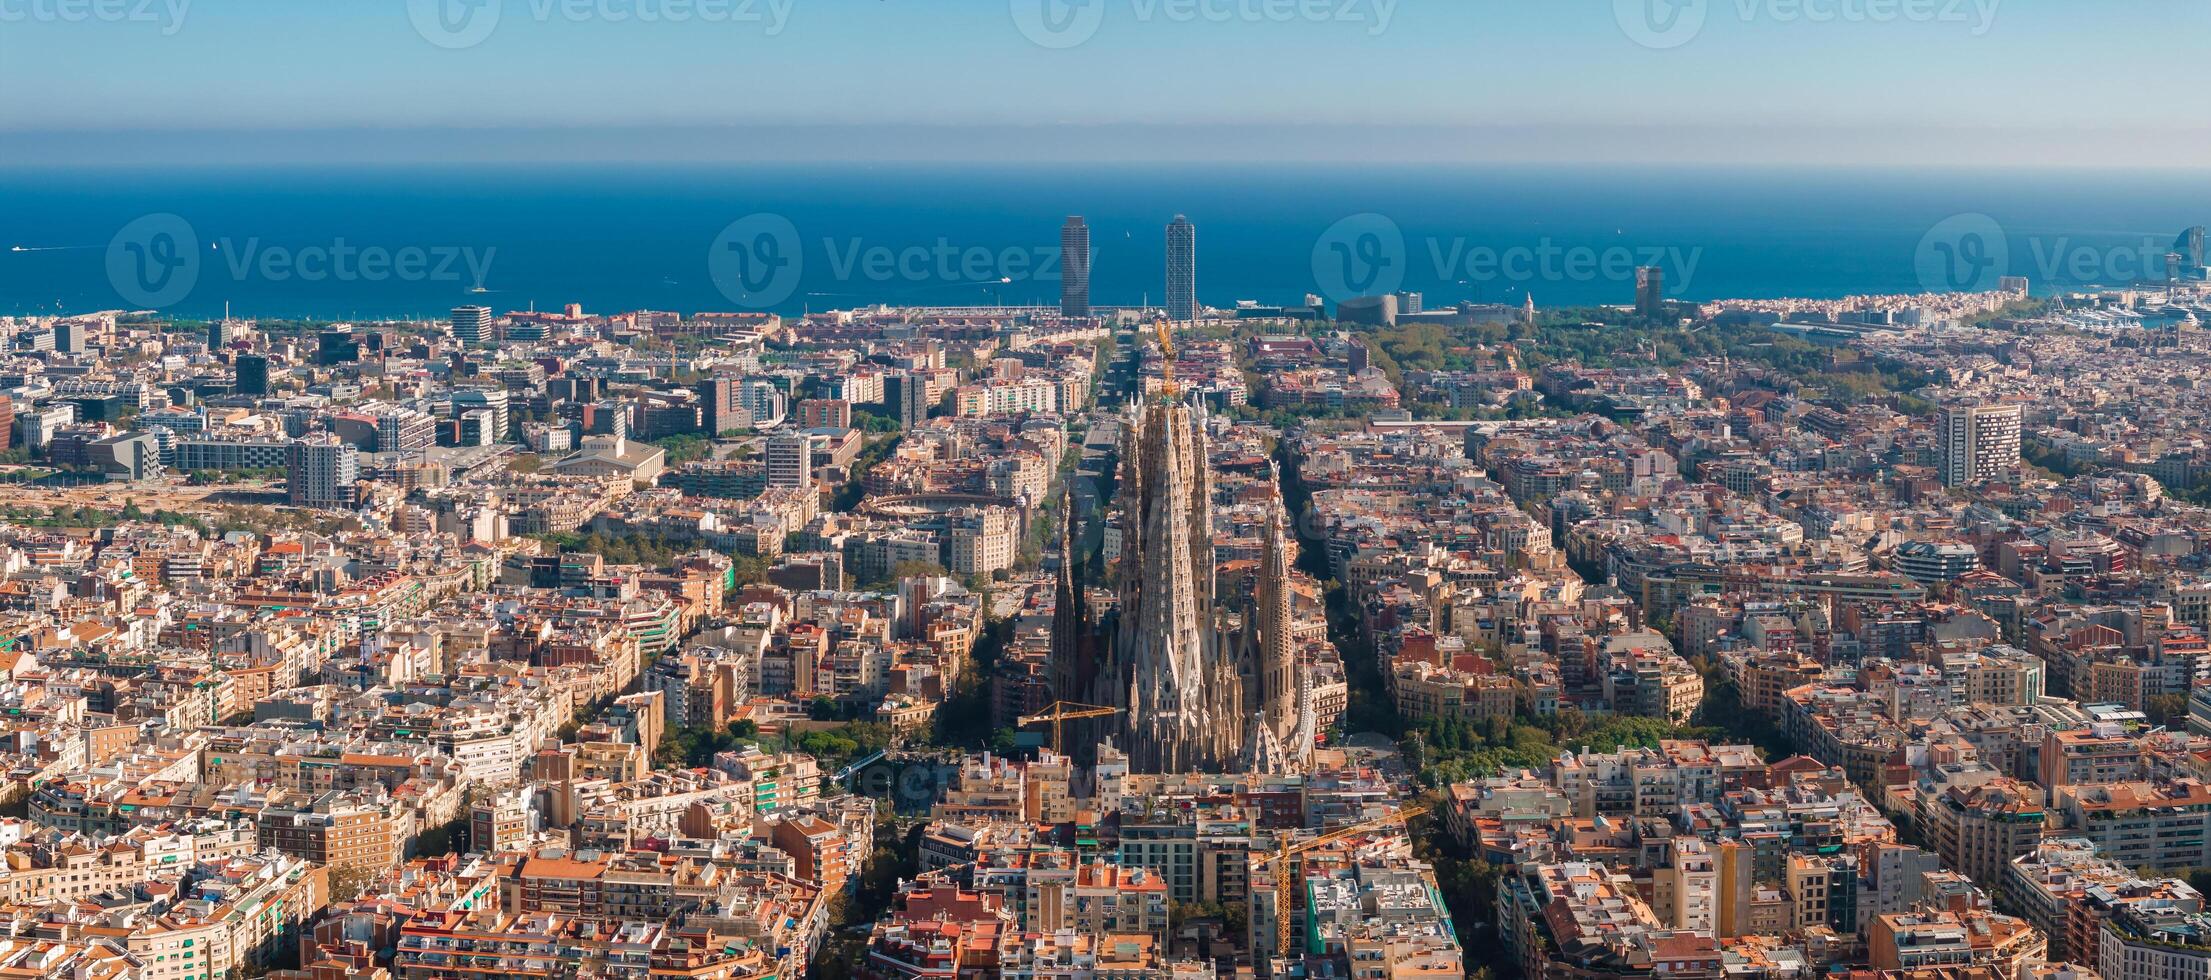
1166,331
1065,711
1283,879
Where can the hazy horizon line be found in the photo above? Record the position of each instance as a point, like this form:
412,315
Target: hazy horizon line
1109,144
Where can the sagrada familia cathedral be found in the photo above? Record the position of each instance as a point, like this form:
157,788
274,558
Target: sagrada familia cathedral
1199,689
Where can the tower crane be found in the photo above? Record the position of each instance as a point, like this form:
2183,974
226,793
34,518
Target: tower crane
1166,333
1065,711
1280,859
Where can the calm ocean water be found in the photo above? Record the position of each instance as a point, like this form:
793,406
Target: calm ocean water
389,242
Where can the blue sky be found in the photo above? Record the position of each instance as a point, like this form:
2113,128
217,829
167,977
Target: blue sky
1963,81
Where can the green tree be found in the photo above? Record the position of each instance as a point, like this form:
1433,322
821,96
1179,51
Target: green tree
2169,710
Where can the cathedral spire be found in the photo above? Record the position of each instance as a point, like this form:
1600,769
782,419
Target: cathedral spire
1074,661
1198,694
1278,689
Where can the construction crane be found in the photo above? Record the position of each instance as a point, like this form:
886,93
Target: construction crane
1166,332
1065,711
1283,880
846,772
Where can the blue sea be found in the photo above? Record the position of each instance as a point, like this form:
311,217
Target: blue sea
415,241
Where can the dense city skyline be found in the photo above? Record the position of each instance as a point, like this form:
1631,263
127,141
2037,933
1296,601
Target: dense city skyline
1104,490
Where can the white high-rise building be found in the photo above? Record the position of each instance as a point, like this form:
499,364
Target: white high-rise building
1978,442
790,460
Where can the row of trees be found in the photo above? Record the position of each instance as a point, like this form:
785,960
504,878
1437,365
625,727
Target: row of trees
1449,750
686,448
694,748
620,549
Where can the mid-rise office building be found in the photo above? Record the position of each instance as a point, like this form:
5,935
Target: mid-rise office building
1934,562
222,453
320,471
69,336
906,397
253,374
404,430
825,413
338,346
790,460
493,400
472,324
766,403
721,409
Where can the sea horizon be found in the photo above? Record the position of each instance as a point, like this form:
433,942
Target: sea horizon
620,237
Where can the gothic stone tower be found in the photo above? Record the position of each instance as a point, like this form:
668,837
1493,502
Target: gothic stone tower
1196,695
1181,686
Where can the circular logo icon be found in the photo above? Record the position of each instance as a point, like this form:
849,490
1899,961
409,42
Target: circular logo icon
1660,24
1058,24
756,262
1359,257
1965,253
154,262
454,24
